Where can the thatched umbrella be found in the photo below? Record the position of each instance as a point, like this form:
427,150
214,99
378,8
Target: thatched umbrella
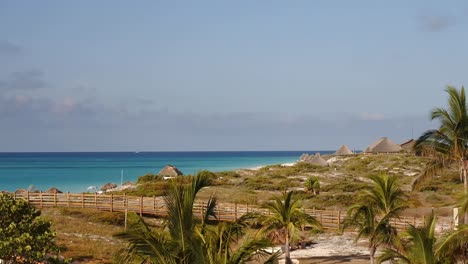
170,171
108,186
408,145
303,157
343,150
383,145
316,160
53,190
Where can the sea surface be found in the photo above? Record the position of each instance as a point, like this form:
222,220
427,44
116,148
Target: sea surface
79,171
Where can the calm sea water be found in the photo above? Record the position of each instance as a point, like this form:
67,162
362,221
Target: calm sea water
76,171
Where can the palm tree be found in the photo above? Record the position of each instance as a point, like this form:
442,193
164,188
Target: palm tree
186,239
420,246
415,247
313,185
448,144
453,245
223,245
286,218
372,213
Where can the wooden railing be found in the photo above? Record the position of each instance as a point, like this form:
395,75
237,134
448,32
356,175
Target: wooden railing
330,220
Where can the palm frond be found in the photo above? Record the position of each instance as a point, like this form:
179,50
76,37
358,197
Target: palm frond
454,245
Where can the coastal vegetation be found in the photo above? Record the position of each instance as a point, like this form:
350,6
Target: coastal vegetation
25,237
286,220
185,239
373,210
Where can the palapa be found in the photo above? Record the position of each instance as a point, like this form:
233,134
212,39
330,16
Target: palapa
343,150
383,145
171,171
408,145
316,160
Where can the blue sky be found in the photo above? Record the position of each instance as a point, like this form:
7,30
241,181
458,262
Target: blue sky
224,75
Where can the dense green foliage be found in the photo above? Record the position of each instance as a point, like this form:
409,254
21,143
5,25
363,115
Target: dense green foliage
24,236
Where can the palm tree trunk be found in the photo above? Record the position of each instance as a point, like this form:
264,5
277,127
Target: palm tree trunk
465,188
372,254
286,250
465,182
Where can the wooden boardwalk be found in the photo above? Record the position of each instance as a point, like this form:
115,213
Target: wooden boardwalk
330,220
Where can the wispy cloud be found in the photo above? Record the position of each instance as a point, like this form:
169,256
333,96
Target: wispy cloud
435,22
24,80
7,48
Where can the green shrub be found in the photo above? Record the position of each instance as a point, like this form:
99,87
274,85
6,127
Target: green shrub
148,178
110,218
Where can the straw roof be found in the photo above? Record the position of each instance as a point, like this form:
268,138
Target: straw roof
316,160
408,145
108,186
343,150
53,190
170,170
383,145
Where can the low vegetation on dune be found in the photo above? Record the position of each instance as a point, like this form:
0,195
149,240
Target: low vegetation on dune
338,182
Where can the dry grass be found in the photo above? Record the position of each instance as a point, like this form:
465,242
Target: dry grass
87,239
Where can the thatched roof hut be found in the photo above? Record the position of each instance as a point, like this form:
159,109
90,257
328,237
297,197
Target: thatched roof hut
53,190
408,145
343,150
383,145
108,186
171,171
316,160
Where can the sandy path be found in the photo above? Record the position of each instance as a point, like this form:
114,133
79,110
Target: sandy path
333,248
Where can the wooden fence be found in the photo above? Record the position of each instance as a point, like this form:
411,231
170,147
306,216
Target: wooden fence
330,220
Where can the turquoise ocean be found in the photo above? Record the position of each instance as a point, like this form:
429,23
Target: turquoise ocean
76,171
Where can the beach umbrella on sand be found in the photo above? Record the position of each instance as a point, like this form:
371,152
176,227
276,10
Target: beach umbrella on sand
383,145
343,150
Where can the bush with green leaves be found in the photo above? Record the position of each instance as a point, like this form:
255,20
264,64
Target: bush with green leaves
25,237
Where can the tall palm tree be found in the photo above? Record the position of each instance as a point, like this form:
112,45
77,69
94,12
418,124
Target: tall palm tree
186,239
373,210
448,144
416,246
286,218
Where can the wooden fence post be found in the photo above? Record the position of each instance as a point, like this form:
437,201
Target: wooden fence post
95,200
82,200
68,199
112,202
339,219
235,211
27,196
141,205
40,197
154,205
